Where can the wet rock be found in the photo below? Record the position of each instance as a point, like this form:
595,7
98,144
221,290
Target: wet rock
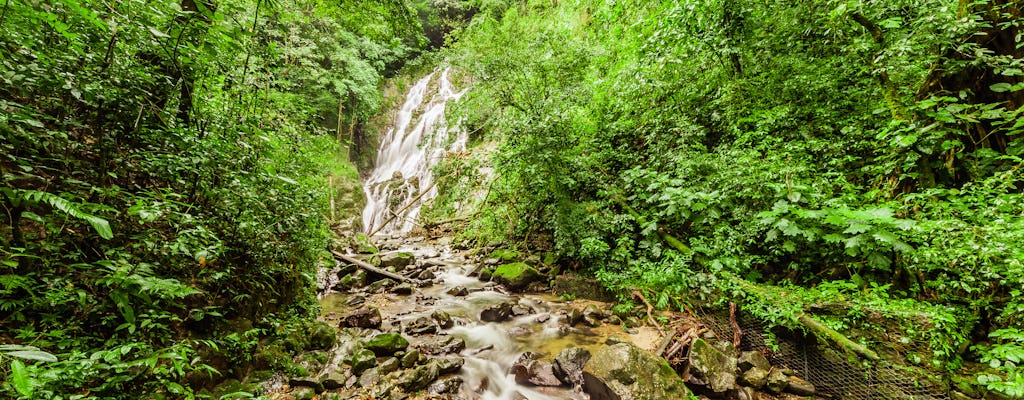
409,359
322,336
426,275
306,382
485,274
516,276
712,366
333,380
574,317
443,319
388,366
379,286
416,379
356,279
752,359
458,291
355,300
743,393
398,260
421,326
448,365
404,289
449,385
370,377
362,360
624,371
534,372
569,365
362,317
800,387
614,320
518,310
777,381
754,377
386,344
496,313
444,345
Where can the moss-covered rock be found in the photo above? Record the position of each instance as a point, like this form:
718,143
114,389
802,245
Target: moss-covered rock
321,336
398,260
362,360
363,245
516,275
386,344
505,255
624,371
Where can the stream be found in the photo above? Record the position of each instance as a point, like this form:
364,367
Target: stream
539,324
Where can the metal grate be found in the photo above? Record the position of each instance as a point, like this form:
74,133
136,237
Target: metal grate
827,369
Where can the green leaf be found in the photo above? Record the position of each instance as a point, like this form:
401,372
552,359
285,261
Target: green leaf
36,355
1001,87
20,378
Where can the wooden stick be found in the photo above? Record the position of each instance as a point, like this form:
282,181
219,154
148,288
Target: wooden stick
364,265
737,333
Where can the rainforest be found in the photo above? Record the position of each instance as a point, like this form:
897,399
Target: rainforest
511,199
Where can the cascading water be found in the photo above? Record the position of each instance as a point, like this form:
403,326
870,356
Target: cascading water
418,139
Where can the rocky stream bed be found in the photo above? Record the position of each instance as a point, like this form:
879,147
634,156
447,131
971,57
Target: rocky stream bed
451,325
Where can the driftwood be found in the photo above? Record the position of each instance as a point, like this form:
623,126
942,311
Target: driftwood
364,265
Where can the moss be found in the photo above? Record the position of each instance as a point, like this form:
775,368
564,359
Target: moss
504,255
511,271
516,275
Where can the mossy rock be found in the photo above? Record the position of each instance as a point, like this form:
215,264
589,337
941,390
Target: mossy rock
504,255
363,244
362,360
386,344
485,274
628,372
516,276
322,336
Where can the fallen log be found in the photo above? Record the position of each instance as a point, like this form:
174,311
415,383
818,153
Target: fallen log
364,265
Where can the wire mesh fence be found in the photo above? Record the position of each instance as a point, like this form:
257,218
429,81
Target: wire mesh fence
832,375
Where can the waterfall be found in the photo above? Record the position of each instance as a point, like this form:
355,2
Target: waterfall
416,141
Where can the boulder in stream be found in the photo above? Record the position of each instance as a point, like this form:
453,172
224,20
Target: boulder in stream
516,276
362,317
497,313
444,345
421,326
458,291
386,344
569,365
624,371
398,260
528,371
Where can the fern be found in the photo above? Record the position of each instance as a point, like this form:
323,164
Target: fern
59,203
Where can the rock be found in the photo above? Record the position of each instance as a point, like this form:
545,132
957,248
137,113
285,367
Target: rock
333,380
409,359
363,244
518,310
306,382
362,360
516,276
449,385
752,359
485,274
302,393
534,372
355,300
444,345
569,365
370,377
574,317
777,381
624,371
356,279
496,313
448,365
754,377
504,255
426,275
416,379
443,319
386,344
800,387
379,286
421,326
458,291
743,393
362,317
388,366
398,260
710,365
322,336
404,289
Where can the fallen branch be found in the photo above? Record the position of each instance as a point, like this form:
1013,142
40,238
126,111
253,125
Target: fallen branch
364,265
737,333
650,318
820,329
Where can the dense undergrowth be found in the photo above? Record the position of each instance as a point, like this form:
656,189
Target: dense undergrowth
866,153
166,174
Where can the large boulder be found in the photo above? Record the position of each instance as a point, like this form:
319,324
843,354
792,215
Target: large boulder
497,312
516,276
713,367
398,260
624,371
534,372
386,344
362,317
569,365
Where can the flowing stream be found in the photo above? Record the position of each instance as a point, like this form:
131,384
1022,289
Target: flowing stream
396,189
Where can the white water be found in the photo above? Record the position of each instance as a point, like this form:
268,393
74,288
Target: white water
416,141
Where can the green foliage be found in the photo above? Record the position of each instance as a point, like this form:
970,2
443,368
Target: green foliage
164,171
